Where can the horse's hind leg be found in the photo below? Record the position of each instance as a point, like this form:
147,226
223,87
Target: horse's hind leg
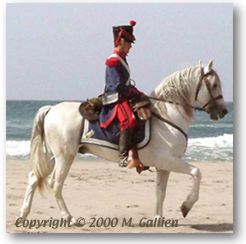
161,185
32,185
56,182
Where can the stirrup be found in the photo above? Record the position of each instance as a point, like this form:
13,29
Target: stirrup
123,162
141,168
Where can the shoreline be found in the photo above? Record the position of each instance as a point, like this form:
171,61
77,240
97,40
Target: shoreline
102,189
97,159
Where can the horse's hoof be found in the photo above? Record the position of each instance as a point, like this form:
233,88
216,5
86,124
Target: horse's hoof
80,222
20,219
185,210
75,222
157,217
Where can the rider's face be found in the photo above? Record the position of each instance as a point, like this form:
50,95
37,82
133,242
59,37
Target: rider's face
126,46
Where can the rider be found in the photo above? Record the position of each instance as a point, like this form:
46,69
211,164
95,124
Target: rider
118,92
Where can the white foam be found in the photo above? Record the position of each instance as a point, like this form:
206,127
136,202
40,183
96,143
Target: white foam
210,148
220,147
17,148
22,149
224,141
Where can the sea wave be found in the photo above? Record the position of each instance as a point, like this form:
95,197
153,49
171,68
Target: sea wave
207,148
221,125
210,148
21,150
222,141
17,148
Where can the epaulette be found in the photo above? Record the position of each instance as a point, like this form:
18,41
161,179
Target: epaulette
112,61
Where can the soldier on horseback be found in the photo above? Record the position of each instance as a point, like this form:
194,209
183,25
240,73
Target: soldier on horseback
119,93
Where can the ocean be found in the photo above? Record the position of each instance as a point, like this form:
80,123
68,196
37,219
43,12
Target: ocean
208,140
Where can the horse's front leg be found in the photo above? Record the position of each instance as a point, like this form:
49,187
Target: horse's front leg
180,166
194,194
161,185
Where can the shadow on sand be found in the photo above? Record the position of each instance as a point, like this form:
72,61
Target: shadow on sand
213,227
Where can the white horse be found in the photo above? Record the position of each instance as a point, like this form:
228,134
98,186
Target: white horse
57,129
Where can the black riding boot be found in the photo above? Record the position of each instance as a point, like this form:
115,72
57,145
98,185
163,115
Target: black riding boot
125,144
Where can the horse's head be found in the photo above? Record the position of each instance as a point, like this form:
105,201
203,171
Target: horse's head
209,92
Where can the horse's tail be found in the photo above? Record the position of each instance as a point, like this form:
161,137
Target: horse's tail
39,160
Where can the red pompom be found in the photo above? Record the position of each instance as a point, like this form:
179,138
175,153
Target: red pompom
132,22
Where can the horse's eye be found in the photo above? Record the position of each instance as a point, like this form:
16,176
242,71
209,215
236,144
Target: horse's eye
215,86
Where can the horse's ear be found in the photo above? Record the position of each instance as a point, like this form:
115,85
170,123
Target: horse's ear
201,67
210,64
208,68
200,63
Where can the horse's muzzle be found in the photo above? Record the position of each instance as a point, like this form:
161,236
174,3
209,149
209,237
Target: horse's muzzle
224,112
216,112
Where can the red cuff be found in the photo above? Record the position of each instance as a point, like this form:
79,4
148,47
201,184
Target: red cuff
134,91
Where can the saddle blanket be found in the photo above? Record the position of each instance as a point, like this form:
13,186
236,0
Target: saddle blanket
109,137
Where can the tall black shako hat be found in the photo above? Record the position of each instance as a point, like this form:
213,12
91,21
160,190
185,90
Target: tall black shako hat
125,32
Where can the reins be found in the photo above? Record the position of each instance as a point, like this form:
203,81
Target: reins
172,102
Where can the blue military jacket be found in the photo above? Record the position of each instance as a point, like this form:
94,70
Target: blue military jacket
117,86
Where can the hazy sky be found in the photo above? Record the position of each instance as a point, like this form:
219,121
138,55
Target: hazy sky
57,51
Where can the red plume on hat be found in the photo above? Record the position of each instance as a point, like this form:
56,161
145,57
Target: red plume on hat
132,23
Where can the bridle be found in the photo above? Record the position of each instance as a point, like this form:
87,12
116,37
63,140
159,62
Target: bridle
201,79
212,98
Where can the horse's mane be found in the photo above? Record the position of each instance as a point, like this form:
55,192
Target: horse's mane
177,88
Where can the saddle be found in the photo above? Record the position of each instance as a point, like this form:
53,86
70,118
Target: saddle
109,137
91,108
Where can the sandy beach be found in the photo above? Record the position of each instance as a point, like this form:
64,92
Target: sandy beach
99,189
